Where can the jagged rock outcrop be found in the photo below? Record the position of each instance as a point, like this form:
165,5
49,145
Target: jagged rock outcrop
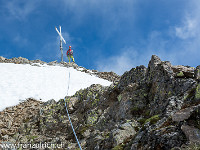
149,108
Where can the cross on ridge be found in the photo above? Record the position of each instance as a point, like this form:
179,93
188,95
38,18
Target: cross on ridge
61,39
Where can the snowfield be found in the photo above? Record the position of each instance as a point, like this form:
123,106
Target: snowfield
19,82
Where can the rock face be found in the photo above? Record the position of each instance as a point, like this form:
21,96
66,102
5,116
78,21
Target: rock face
157,107
12,118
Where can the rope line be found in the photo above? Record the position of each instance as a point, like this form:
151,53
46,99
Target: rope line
69,116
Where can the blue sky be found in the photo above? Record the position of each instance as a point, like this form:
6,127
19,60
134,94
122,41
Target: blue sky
107,35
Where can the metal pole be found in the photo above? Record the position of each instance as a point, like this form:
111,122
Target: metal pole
61,48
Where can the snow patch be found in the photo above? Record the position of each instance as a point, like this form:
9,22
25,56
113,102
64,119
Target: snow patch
19,82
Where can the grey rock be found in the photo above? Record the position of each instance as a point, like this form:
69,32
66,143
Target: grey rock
154,62
183,71
192,133
135,75
87,133
72,104
2,59
125,131
53,63
174,104
110,76
197,73
136,140
50,102
183,114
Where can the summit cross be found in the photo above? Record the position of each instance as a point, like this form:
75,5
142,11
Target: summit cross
61,39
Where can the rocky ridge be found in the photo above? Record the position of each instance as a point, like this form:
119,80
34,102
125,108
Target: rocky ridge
110,76
157,107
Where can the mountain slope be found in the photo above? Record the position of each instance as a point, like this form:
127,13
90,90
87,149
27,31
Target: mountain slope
157,107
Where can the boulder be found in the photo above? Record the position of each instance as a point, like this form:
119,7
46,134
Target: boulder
125,131
192,133
2,59
182,114
183,71
72,104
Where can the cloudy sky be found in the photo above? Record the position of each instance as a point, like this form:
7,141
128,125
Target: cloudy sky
107,35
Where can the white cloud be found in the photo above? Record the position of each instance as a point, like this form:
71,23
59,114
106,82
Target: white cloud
187,48
189,28
124,61
20,10
183,50
110,14
130,57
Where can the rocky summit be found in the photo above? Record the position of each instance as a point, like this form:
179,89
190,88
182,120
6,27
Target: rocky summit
153,108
